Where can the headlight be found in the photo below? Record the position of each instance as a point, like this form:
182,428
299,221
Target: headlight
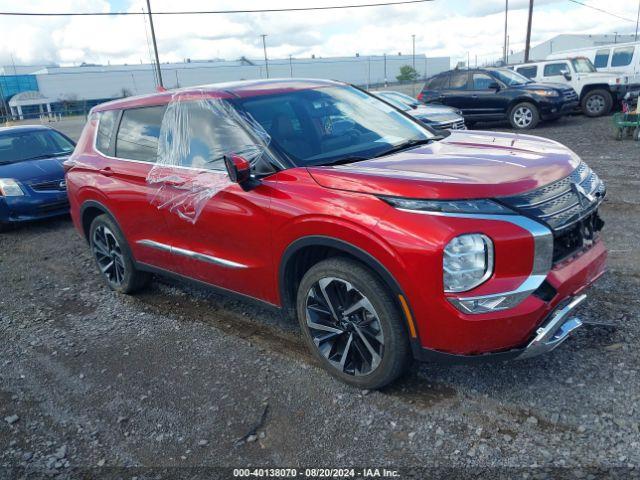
10,188
467,262
449,206
546,93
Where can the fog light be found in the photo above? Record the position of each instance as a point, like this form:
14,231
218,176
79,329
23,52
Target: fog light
489,303
467,262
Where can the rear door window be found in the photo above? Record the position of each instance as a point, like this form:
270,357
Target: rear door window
622,56
459,80
602,58
138,134
530,71
555,69
440,82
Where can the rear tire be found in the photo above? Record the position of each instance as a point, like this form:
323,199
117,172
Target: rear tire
524,116
350,322
596,103
113,256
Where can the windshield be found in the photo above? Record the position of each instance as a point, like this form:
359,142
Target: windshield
509,77
329,124
583,65
394,101
20,146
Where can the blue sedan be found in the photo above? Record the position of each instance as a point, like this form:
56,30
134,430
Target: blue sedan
32,182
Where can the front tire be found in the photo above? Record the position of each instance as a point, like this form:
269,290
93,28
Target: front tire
524,116
596,103
351,324
113,256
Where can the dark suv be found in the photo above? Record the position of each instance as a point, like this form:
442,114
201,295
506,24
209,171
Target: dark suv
499,94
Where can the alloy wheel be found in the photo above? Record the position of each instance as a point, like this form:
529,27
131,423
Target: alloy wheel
344,326
595,104
108,254
522,117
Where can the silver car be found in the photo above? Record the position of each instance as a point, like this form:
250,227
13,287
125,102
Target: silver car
436,116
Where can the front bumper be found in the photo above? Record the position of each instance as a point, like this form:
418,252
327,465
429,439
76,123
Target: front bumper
33,207
554,330
558,108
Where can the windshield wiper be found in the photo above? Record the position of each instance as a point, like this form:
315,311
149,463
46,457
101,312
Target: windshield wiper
344,160
409,144
45,155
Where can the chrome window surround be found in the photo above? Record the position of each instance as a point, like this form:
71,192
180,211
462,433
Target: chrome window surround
190,254
542,259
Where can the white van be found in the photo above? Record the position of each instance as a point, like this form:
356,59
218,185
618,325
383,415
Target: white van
623,58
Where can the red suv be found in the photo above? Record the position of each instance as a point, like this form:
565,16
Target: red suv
386,239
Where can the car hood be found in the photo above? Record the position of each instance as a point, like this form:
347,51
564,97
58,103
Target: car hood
543,86
463,165
30,171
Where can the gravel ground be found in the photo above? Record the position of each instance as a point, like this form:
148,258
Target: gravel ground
181,377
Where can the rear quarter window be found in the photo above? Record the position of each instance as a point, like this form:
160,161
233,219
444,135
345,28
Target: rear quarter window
106,128
602,58
529,72
439,82
138,133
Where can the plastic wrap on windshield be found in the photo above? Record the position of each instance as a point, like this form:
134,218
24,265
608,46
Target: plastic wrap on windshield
197,132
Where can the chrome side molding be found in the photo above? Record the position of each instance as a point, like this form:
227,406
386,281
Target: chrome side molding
190,254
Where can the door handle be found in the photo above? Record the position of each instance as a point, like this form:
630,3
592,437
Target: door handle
106,171
474,96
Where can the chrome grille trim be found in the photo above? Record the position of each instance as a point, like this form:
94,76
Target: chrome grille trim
564,202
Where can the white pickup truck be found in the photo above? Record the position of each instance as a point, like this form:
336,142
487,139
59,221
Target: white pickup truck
597,90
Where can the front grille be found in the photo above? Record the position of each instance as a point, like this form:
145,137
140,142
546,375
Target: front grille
568,206
569,95
51,186
457,125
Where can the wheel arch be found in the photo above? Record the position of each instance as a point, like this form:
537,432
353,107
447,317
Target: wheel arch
522,99
89,211
305,252
594,86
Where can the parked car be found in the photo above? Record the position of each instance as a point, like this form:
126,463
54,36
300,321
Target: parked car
385,239
598,91
32,184
499,94
622,59
440,117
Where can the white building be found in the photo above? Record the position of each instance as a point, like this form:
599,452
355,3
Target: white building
85,86
564,42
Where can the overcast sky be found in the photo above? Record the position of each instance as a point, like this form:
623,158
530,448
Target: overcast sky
442,27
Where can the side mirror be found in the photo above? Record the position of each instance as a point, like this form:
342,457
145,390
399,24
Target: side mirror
494,86
566,75
239,171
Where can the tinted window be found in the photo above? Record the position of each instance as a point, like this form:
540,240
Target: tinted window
138,133
459,80
622,56
482,81
529,72
18,146
106,127
553,69
602,58
438,83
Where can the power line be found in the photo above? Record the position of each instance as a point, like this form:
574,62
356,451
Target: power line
202,12
603,11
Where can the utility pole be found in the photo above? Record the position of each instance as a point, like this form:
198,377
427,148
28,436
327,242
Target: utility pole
506,17
264,47
413,37
528,42
637,21
155,45
290,67
384,56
